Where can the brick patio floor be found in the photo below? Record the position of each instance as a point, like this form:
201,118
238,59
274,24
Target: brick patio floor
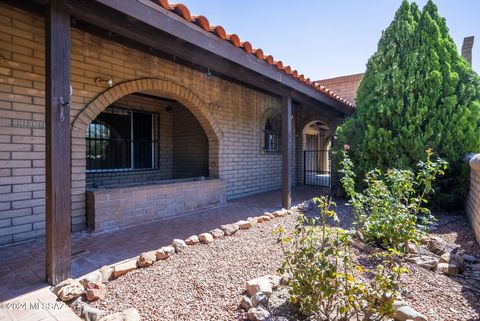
22,267
39,305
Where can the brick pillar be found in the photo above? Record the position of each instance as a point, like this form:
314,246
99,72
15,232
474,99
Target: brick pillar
473,200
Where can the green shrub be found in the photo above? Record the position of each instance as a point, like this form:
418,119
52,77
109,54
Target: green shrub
390,212
417,91
326,283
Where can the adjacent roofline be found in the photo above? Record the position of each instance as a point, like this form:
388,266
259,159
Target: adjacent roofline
175,32
201,21
150,24
342,78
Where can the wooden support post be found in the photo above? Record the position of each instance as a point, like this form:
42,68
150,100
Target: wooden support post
57,120
286,151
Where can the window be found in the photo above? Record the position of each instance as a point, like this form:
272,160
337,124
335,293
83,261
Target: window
120,139
272,134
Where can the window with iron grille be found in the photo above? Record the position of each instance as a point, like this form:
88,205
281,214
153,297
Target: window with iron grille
122,140
272,134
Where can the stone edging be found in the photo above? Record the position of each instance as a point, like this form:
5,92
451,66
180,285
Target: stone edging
93,283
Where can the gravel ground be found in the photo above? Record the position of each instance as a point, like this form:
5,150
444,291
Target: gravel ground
207,281
204,283
442,297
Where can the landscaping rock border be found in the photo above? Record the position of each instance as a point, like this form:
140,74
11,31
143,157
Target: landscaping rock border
433,253
92,286
258,291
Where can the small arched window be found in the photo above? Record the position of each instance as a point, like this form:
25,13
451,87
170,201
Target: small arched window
272,134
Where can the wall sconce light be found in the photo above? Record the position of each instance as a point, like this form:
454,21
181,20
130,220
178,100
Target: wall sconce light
104,82
209,73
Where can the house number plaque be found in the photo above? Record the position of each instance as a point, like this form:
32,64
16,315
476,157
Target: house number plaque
25,123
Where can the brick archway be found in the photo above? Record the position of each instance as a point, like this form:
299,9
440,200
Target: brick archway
328,134
303,118
164,88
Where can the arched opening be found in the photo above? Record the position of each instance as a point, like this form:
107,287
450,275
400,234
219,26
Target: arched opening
272,131
316,146
143,150
144,139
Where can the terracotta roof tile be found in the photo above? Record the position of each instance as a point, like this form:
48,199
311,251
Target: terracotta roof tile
201,21
220,32
234,39
182,11
164,4
269,59
247,46
259,54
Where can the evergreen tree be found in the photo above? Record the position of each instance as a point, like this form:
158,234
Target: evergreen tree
417,93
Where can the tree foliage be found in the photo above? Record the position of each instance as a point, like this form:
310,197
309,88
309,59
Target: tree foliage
417,93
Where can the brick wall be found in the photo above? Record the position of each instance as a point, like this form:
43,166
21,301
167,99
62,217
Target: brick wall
22,159
345,86
230,114
190,145
113,208
473,200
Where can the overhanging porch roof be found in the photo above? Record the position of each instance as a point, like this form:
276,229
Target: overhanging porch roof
174,31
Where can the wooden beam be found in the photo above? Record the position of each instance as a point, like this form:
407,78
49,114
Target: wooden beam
287,151
165,31
57,118
257,84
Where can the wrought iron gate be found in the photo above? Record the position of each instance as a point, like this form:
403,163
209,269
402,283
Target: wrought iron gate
316,167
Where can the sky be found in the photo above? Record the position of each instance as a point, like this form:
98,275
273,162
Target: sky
325,38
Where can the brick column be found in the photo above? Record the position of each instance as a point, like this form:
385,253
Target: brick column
473,200
467,47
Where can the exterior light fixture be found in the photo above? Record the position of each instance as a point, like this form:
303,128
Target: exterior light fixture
209,73
104,82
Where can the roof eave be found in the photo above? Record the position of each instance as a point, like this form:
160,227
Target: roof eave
161,19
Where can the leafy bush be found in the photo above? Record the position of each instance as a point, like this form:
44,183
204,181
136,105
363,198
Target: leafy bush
390,211
326,282
417,91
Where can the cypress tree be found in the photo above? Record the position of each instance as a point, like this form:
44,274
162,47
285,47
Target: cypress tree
417,93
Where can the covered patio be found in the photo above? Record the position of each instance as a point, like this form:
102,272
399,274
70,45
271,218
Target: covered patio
114,92
24,264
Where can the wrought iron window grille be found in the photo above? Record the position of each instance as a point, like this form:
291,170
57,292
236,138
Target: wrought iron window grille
122,140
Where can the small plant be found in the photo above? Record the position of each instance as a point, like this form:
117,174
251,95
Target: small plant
391,210
325,281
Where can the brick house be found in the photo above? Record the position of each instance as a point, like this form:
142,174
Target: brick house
117,113
345,86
